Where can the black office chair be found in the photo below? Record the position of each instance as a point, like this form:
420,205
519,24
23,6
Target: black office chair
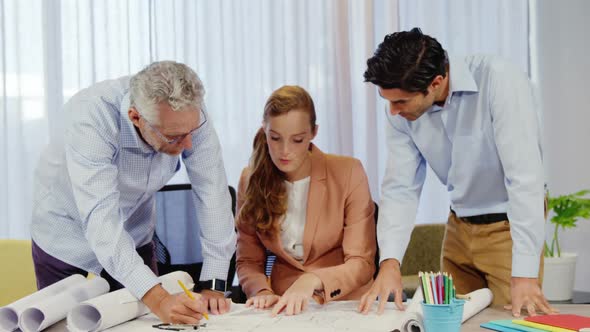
270,260
194,269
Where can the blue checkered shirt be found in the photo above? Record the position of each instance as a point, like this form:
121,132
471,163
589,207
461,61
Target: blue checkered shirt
95,184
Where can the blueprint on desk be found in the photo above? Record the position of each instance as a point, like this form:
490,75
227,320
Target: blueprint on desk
335,316
332,317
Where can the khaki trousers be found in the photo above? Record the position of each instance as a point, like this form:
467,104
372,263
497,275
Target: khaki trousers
479,256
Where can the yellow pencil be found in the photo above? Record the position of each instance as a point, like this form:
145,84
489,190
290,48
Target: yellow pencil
190,296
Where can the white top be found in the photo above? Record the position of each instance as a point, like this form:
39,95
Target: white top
294,220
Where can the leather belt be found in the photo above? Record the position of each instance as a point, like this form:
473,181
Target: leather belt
484,219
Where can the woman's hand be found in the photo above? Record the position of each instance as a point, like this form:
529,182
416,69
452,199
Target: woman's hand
296,298
263,300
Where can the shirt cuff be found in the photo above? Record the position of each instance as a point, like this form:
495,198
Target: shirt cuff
394,229
525,266
213,269
140,280
390,250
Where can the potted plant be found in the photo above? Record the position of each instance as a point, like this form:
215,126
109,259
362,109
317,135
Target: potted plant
567,209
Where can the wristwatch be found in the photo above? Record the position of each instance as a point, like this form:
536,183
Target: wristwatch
217,285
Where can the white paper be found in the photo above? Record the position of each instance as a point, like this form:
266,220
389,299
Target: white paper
412,319
55,308
335,316
9,314
480,299
118,307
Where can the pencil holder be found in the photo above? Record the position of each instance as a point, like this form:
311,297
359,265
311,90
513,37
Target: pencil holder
443,317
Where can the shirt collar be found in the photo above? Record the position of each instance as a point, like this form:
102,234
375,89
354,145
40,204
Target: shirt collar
129,135
460,80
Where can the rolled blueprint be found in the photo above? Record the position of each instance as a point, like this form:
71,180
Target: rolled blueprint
55,308
9,314
412,321
479,300
117,307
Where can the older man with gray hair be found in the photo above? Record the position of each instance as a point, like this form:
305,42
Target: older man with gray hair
94,187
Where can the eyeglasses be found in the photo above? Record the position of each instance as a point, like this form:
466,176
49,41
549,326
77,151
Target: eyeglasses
178,138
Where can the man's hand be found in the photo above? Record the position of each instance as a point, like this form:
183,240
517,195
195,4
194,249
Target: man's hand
295,299
216,301
263,300
176,309
389,280
526,293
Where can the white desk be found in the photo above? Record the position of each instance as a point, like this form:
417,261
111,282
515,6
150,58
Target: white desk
493,313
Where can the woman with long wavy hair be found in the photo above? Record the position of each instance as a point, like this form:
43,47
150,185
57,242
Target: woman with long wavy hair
312,210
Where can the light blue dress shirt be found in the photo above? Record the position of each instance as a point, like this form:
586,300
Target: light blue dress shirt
95,185
484,145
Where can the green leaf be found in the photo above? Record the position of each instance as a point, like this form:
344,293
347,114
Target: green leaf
567,209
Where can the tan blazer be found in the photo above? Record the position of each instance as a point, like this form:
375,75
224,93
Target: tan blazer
338,241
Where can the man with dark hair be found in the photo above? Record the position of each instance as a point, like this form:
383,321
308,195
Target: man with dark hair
473,120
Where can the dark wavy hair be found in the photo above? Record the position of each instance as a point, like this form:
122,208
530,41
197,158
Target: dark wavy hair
407,60
266,195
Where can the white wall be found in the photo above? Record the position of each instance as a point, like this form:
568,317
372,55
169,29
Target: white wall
560,53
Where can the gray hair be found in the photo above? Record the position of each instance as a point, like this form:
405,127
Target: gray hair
165,81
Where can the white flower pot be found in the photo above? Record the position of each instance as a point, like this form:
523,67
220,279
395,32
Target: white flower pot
558,277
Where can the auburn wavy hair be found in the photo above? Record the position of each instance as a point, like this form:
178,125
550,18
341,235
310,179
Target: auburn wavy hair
266,195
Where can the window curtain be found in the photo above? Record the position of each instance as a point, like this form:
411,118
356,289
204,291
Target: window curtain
242,50
465,27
